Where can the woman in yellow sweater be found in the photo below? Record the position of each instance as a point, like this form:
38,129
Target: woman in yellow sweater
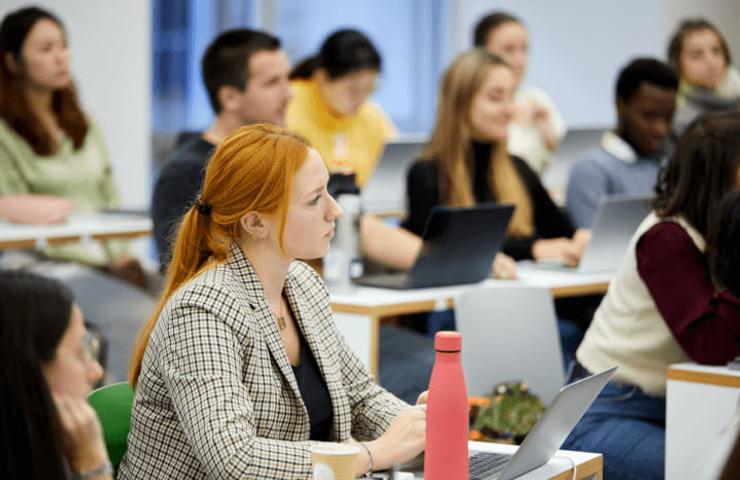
331,105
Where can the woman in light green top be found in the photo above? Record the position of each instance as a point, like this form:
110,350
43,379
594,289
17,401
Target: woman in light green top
53,161
53,158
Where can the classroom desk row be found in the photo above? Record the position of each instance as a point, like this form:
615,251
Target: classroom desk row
359,311
78,228
701,400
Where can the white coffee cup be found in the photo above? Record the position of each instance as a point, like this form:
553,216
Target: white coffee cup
334,461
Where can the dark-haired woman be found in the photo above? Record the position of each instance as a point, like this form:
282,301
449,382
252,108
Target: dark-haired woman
330,105
53,160
47,369
662,307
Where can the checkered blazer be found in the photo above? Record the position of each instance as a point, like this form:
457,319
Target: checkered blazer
217,397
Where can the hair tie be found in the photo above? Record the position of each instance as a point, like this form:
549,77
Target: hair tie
202,207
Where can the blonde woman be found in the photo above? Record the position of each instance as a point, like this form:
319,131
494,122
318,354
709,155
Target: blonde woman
466,162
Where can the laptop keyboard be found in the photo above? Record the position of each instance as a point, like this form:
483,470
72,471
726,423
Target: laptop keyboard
483,465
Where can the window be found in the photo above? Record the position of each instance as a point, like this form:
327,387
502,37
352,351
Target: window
410,40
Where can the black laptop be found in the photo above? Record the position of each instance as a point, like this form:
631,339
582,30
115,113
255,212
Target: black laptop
459,246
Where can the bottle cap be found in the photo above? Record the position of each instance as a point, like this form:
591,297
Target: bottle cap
448,342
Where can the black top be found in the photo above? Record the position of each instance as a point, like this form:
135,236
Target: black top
315,394
422,189
177,187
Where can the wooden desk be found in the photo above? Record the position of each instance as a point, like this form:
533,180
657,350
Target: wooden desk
78,228
589,466
700,401
358,312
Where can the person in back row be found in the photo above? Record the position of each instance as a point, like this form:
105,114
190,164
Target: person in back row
242,368
536,128
245,73
54,161
663,306
709,83
331,107
628,159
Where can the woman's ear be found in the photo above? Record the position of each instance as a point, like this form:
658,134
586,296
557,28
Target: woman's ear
253,225
321,76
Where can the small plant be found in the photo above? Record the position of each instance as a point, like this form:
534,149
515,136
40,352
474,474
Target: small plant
507,414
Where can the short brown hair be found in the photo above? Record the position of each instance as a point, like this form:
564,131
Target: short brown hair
225,61
691,25
488,24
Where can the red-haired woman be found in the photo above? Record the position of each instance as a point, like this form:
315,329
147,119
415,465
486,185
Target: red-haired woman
241,367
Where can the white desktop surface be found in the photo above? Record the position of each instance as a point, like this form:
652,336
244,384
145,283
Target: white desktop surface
374,297
77,226
700,402
587,464
357,311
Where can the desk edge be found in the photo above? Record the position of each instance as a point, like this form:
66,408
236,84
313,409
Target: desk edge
703,377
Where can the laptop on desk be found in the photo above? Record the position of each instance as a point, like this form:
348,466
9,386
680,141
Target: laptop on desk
616,221
458,248
385,191
541,444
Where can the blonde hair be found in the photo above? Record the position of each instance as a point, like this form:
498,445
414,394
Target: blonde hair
450,144
252,170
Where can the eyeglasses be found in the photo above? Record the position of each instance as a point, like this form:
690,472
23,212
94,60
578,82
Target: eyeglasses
91,346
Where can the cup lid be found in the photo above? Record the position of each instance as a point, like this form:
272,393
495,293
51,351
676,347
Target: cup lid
448,341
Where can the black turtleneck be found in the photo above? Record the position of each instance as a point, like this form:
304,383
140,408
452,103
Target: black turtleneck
422,190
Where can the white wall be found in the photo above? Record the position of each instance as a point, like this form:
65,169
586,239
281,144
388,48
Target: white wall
110,44
578,46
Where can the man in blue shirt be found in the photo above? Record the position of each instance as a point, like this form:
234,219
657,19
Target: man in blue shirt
628,159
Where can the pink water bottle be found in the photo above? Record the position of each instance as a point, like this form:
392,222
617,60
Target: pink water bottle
446,456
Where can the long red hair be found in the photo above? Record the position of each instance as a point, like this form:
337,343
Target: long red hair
14,108
252,170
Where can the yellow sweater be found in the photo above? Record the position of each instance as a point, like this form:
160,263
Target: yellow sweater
347,144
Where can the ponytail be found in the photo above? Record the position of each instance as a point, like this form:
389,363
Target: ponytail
305,69
252,170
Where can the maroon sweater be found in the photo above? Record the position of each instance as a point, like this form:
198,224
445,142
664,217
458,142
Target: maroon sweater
706,323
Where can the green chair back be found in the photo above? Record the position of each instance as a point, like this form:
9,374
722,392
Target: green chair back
113,404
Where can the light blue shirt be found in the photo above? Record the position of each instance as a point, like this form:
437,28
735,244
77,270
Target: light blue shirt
612,169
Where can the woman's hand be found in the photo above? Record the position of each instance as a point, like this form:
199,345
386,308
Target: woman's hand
582,238
404,439
35,209
564,249
504,267
81,433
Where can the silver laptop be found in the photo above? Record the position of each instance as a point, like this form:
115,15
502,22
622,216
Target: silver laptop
386,189
545,438
616,221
